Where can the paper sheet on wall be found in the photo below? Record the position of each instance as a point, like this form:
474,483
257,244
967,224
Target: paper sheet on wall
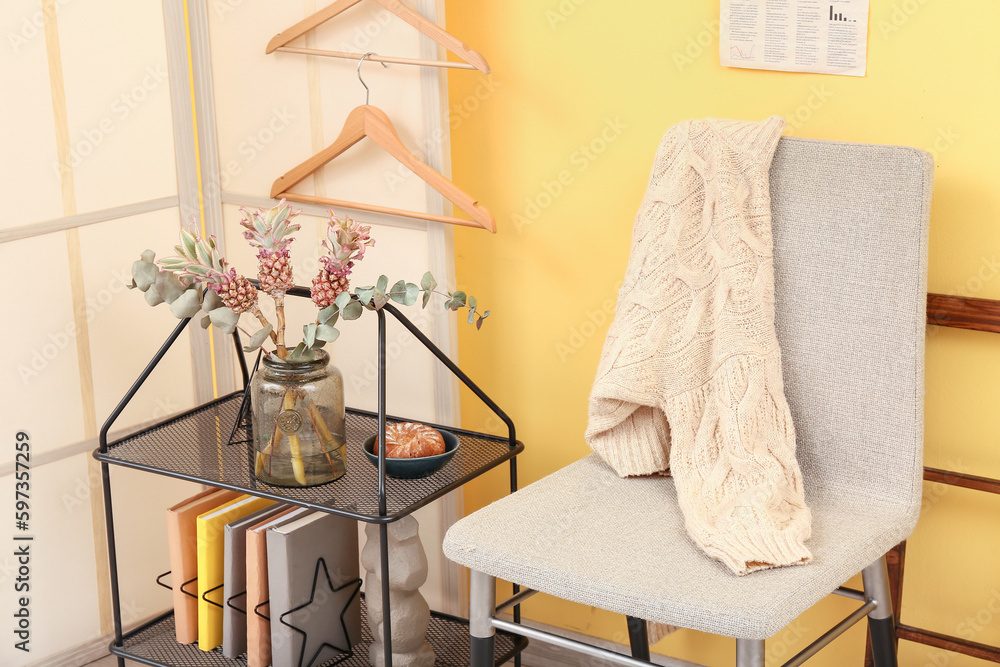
821,36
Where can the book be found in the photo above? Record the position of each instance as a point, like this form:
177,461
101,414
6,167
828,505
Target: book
211,560
182,539
234,580
259,627
314,586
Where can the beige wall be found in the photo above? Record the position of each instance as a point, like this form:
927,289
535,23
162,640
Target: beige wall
86,84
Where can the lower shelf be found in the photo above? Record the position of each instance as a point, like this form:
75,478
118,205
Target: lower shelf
155,644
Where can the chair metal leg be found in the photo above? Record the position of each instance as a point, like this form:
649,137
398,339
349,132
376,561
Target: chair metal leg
638,638
482,604
749,653
880,620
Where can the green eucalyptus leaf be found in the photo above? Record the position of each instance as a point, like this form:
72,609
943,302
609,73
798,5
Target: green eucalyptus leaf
327,313
187,304
352,311
398,292
342,300
258,339
479,324
143,273
412,292
169,286
224,319
211,301
379,299
459,298
148,256
472,302
382,283
327,333
428,282
472,316
298,353
427,298
365,294
309,334
152,296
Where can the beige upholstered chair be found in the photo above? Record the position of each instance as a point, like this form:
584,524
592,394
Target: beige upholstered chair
850,228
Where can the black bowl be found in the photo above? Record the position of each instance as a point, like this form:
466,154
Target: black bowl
415,468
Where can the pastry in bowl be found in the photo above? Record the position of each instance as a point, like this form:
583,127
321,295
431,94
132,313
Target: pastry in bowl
414,451
409,440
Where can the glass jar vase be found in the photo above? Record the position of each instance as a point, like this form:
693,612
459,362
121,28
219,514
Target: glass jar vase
298,422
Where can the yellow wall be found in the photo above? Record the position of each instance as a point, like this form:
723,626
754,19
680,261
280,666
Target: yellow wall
615,75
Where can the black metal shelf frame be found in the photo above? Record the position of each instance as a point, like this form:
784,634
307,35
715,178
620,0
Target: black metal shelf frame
129,452
154,643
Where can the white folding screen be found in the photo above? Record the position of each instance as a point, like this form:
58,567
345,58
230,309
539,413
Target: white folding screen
102,149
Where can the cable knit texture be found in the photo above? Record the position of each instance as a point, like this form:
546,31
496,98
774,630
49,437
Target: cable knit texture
689,382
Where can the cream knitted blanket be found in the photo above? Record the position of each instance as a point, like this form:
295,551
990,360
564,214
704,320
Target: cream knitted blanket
689,381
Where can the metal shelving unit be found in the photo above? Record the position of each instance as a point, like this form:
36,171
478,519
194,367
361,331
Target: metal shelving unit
155,644
206,445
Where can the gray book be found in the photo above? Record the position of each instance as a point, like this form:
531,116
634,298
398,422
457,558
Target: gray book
315,589
234,623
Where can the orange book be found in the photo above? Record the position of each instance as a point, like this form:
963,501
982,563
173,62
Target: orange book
182,537
259,628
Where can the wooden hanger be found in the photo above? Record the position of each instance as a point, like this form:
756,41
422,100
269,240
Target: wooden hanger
473,59
368,121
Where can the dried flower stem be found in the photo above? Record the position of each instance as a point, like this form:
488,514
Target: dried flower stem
279,313
319,426
294,446
255,311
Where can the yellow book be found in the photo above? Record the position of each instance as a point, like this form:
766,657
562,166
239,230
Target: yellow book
211,563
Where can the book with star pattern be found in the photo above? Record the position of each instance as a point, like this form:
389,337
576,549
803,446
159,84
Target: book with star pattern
314,585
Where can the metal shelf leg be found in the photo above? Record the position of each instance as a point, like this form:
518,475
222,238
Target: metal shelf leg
112,558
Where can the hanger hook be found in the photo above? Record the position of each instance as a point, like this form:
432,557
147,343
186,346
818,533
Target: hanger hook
368,91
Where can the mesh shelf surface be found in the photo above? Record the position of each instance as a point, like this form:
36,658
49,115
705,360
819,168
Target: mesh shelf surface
195,446
156,644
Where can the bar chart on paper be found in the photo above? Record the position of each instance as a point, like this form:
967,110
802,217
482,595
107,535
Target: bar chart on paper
840,16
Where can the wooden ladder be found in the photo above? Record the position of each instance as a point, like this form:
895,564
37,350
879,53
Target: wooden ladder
961,313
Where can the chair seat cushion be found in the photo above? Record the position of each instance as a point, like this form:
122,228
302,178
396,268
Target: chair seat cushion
584,534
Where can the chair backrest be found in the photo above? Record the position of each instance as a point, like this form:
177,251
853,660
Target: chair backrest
850,224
